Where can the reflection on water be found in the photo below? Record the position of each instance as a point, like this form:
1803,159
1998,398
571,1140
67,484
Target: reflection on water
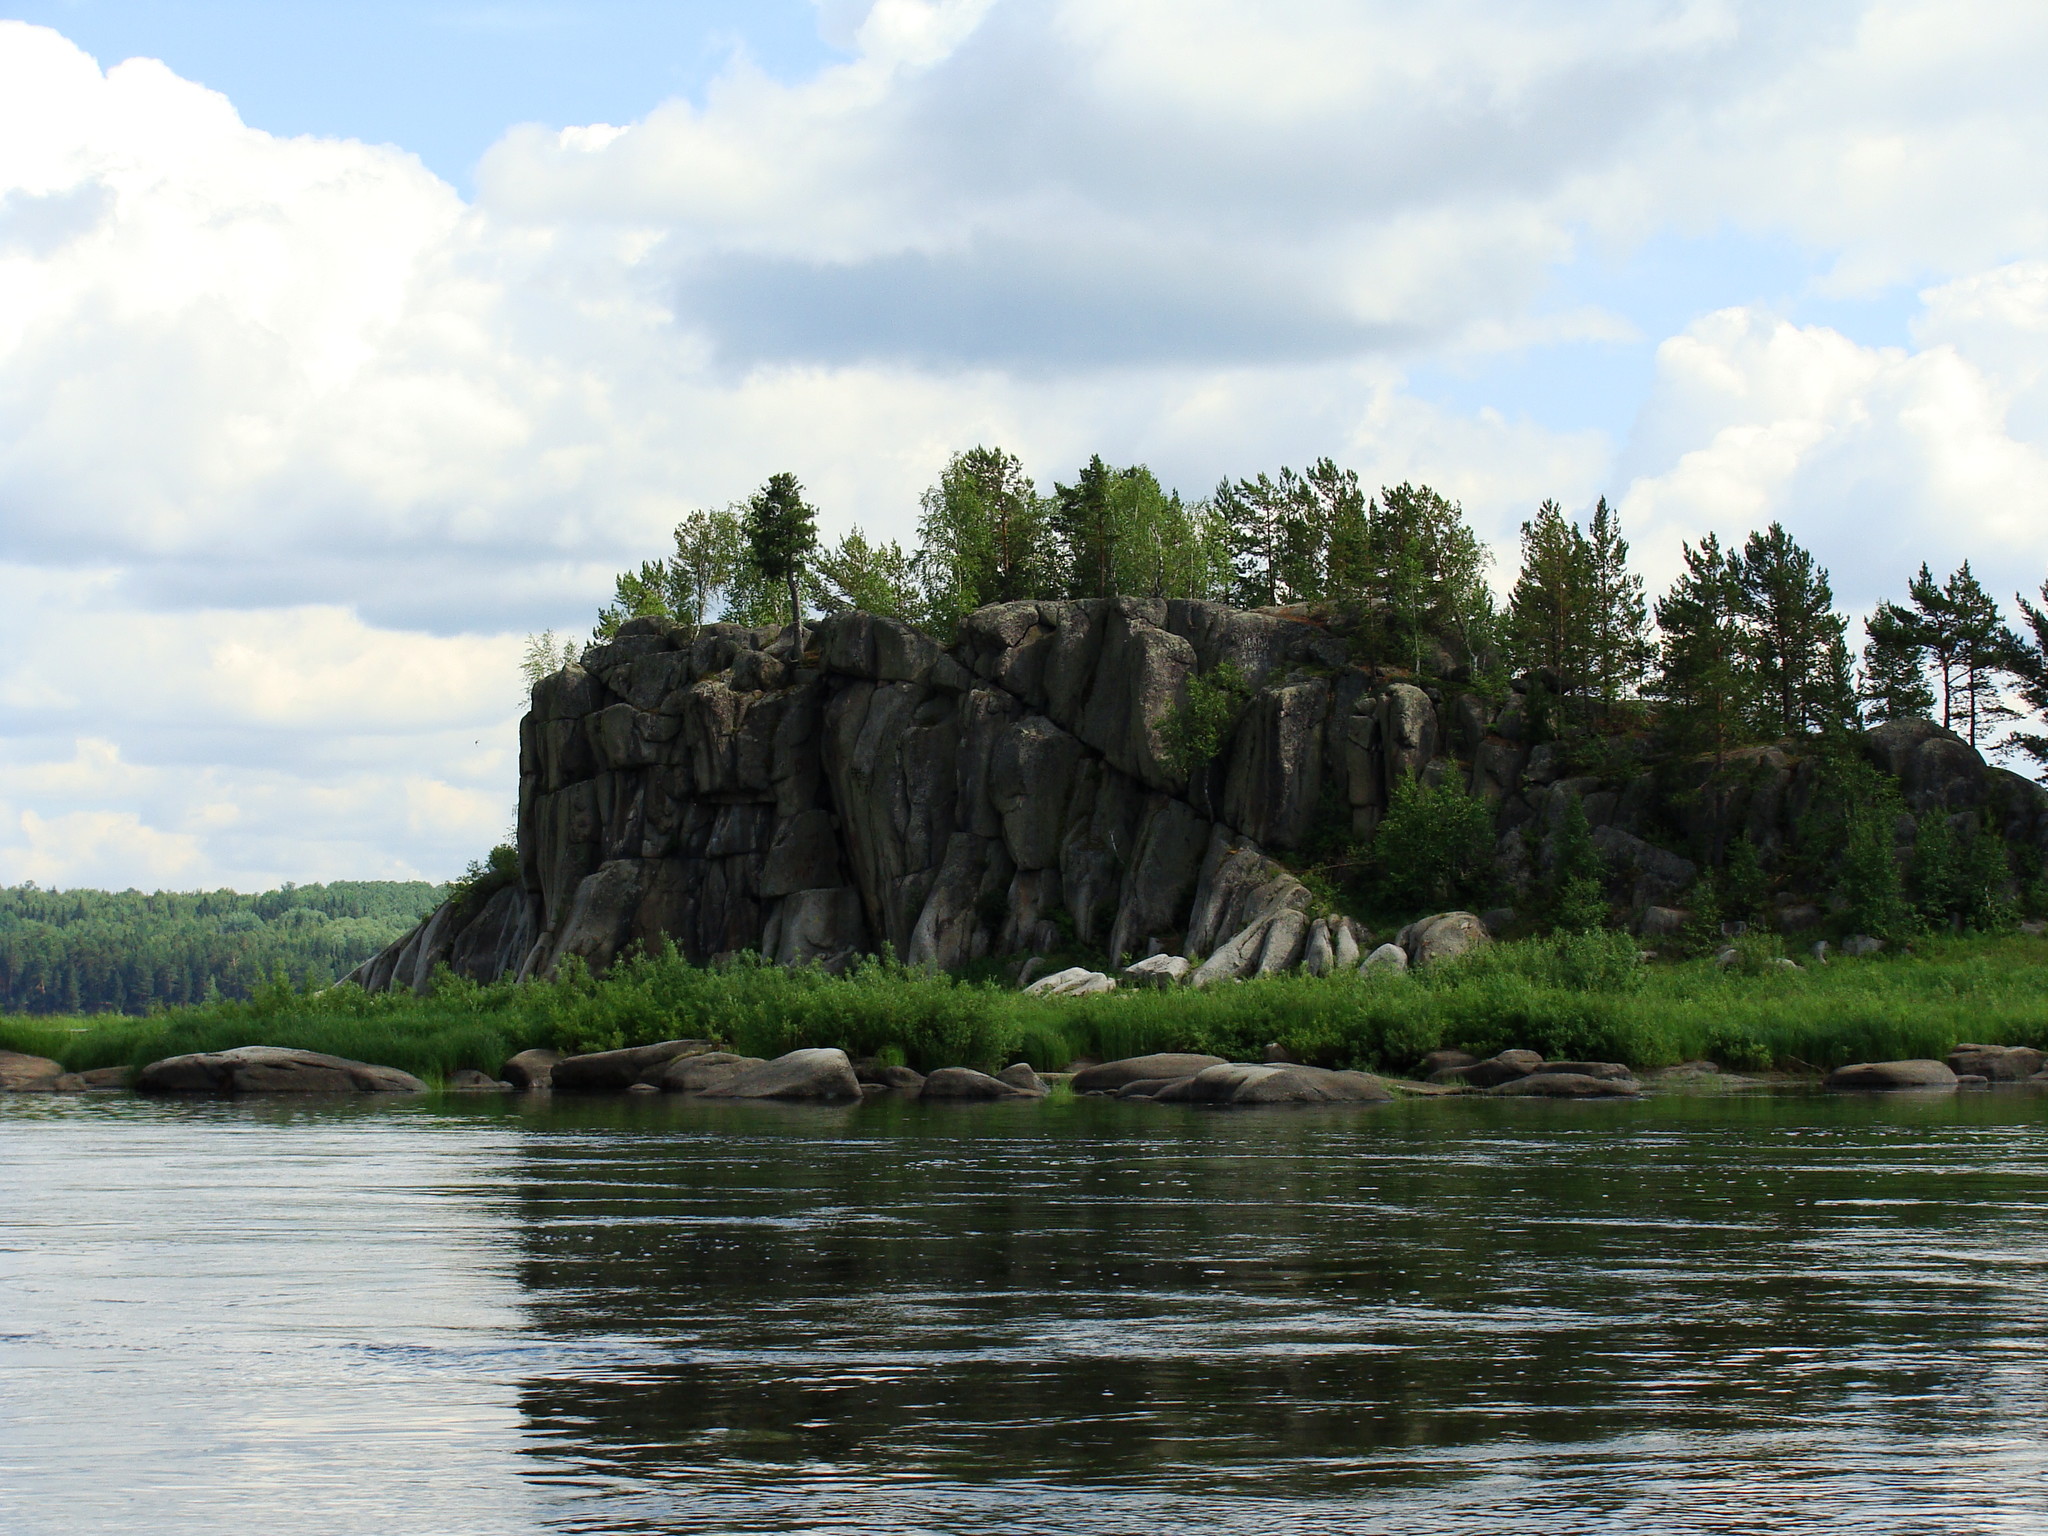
1785,1313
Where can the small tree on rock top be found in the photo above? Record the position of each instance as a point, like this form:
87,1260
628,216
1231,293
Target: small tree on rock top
782,531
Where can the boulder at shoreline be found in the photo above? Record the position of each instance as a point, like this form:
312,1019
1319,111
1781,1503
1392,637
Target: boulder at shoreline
1109,1076
616,1071
270,1069
810,1074
28,1074
1889,1076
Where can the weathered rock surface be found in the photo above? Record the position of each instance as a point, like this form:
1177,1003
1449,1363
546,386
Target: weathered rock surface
1442,937
270,1069
1888,1075
710,787
819,1073
1996,1063
702,1072
1503,1067
531,1069
894,1079
966,1083
1248,1083
616,1071
469,1080
1109,1076
1157,971
28,1074
1021,1076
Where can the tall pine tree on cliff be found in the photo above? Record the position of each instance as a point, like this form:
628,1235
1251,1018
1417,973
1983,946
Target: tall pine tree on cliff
1620,617
1550,611
1701,679
782,531
1789,629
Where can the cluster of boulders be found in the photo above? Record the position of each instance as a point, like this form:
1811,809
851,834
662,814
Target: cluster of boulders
704,1069
1285,941
1968,1066
1517,1074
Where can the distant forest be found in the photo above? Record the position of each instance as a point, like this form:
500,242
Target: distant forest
127,951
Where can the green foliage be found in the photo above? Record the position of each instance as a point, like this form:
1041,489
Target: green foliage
707,576
2026,662
546,654
782,531
1577,996
1200,727
1701,681
1745,888
1577,887
1550,618
872,578
1934,879
127,951
1789,631
487,876
982,537
1894,681
1434,847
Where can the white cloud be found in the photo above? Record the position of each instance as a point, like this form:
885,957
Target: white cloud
1876,458
294,441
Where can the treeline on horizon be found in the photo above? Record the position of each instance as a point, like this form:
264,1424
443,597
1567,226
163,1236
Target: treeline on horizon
83,951
1747,645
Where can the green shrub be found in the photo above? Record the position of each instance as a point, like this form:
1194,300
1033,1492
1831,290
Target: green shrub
1434,847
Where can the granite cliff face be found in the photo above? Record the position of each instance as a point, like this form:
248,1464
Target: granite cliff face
710,787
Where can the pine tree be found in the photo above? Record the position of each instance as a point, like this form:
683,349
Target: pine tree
2027,663
1982,647
1550,620
1894,680
1790,627
782,532
1700,674
1620,617
1084,518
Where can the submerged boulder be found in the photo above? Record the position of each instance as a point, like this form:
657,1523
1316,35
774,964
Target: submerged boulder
1109,1076
1886,1076
1555,1083
1247,1083
270,1069
808,1074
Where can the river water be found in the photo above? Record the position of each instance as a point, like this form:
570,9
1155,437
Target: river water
1771,1312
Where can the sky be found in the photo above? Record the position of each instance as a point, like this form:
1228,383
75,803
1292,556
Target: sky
343,346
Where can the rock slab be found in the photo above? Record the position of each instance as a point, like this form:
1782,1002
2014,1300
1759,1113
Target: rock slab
270,1069
1888,1076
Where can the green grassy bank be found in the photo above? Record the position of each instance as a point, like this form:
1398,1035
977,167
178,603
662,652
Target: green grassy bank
1582,998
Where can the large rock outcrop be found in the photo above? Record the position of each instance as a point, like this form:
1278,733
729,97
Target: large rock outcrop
711,788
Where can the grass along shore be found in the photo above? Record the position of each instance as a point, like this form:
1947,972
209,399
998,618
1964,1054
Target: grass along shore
1582,997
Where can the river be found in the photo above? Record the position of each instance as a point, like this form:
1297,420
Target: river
1777,1311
